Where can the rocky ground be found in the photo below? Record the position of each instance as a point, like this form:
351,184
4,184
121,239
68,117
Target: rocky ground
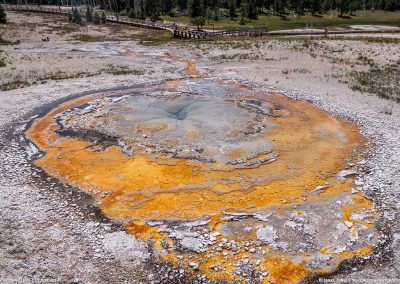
60,237
320,71
68,54
45,236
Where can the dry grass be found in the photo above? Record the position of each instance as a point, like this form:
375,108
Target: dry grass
2,62
19,82
382,81
330,19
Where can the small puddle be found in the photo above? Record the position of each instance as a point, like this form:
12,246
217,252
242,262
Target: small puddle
221,178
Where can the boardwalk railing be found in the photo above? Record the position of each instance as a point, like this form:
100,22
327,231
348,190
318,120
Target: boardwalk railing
193,34
110,18
183,31
43,9
179,30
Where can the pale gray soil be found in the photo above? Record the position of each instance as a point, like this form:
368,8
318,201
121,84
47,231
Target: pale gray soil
318,72
45,234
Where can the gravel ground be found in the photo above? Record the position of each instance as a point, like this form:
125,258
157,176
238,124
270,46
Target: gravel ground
51,235
324,82
60,237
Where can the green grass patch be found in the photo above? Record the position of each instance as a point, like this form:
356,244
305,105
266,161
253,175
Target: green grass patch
237,56
14,85
370,39
382,81
3,62
330,19
89,38
154,37
6,42
19,82
144,36
122,70
62,28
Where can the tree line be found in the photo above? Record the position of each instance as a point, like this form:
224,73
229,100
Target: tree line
212,9
3,15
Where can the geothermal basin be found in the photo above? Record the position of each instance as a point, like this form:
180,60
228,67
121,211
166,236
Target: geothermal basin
219,178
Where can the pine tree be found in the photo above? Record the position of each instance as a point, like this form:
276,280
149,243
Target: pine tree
142,10
332,4
103,18
243,10
216,14
353,6
279,6
132,14
391,5
195,8
232,9
167,6
96,19
252,10
315,6
326,6
182,4
343,6
3,16
208,14
199,22
242,21
76,16
89,14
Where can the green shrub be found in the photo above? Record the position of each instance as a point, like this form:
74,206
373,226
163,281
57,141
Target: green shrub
199,22
383,81
103,18
242,22
3,15
132,14
89,14
76,17
2,62
232,9
96,19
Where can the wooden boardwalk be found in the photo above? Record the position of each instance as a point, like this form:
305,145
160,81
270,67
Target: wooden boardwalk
178,30
182,31
193,34
62,10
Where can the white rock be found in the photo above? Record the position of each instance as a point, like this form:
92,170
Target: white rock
346,173
348,224
267,234
193,265
125,247
192,244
